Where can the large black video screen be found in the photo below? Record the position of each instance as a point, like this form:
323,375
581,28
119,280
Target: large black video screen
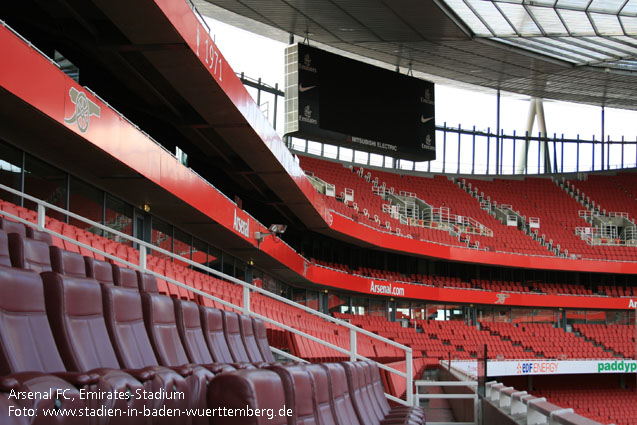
360,106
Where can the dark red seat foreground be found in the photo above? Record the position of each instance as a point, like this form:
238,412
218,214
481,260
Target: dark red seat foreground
331,393
28,353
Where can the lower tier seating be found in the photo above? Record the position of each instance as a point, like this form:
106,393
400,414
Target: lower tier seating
80,324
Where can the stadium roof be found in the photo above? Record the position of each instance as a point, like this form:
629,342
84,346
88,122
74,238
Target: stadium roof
573,50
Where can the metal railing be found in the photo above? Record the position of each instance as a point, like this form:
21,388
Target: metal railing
473,396
145,247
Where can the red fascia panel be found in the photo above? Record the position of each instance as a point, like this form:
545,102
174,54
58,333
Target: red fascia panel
31,77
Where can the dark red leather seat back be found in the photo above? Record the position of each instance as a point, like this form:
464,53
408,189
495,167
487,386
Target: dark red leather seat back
26,341
67,263
212,326
39,235
125,277
125,324
189,326
261,336
250,343
233,336
161,325
340,396
299,394
75,311
5,258
10,226
147,283
324,407
252,388
29,254
99,270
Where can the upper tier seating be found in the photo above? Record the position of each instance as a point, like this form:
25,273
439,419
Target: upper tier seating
455,339
611,193
438,192
557,211
619,338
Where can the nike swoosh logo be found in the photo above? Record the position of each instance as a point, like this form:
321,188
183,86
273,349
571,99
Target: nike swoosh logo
304,89
424,120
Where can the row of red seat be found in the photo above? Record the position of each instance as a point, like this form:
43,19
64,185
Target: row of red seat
132,330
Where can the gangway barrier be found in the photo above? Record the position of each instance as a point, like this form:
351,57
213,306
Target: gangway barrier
145,247
473,396
529,409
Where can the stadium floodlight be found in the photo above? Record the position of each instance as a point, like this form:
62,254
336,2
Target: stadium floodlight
274,229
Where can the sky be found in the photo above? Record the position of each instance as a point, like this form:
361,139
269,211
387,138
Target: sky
260,57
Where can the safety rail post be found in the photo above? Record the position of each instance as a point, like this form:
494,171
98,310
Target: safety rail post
353,355
41,217
246,300
410,377
142,257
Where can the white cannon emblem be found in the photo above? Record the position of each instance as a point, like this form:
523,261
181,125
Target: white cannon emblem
84,108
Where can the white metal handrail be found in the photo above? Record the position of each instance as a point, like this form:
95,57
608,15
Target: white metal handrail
472,396
247,287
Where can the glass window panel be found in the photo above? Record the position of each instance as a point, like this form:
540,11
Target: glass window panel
337,303
548,20
577,22
454,312
452,153
507,155
298,144
481,155
492,16
228,264
422,166
572,4
596,317
418,310
314,147
552,47
45,182
543,316
87,201
346,154
402,310
539,48
360,306
119,216
630,24
468,17
377,308
199,252
502,315
484,314
630,8
614,46
330,151
240,269
617,317
466,153
520,19
575,316
522,315
404,164
607,6
582,49
182,244
10,171
376,160
360,157
607,24
162,237
435,312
